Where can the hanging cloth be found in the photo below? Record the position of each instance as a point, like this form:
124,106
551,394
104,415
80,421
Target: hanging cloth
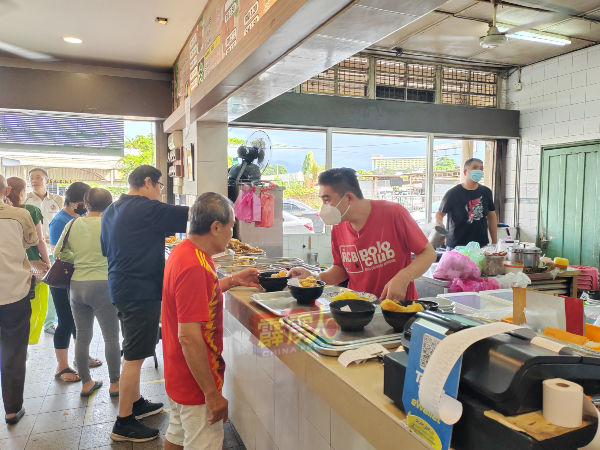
267,204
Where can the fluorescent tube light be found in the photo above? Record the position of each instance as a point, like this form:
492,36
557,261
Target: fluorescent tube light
535,36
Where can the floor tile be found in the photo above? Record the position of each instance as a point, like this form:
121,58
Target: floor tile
59,420
156,444
32,406
152,374
55,440
63,402
17,443
33,390
160,421
98,436
23,428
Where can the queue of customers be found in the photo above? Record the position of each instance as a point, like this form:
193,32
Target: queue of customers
117,249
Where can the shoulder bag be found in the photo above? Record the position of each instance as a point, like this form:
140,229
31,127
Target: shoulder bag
59,275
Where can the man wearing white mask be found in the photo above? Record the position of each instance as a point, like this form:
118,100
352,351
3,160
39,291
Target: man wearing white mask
372,240
470,209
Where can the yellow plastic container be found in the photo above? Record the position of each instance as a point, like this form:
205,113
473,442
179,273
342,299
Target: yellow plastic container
561,263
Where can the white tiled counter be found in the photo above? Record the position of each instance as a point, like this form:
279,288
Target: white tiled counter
298,401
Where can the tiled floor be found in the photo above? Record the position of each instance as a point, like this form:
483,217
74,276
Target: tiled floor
57,418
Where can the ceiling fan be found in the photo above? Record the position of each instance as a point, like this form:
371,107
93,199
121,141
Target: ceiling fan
494,37
5,6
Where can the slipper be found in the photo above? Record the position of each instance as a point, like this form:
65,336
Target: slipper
94,362
114,394
19,416
65,371
97,385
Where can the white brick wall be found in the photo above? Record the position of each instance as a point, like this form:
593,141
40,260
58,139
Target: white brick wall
559,103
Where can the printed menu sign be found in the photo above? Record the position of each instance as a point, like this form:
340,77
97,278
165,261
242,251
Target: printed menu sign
222,24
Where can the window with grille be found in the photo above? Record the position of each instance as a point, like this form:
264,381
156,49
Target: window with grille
348,78
397,80
469,87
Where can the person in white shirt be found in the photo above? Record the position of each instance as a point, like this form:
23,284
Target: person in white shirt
17,233
50,205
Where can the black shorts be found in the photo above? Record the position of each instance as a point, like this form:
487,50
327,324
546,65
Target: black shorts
140,321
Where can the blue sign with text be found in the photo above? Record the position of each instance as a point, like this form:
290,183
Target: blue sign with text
422,422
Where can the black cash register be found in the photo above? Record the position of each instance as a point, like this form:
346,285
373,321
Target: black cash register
503,372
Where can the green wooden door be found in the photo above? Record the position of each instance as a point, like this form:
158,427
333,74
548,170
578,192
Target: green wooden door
569,224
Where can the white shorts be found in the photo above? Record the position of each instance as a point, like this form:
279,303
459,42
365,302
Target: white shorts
189,428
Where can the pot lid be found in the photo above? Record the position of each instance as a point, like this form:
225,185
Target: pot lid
527,250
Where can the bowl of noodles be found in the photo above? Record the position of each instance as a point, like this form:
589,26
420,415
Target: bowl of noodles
308,290
396,314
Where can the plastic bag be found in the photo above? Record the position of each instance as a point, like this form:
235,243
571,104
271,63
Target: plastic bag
540,319
511,280
454,265
247,205
475,253
480,284
267,205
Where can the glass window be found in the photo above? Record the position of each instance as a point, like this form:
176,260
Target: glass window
296,159
390,167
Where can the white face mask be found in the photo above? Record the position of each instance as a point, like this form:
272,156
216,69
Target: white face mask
330,215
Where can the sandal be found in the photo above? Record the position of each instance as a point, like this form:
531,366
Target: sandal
66,371
114,394
97,385
94,362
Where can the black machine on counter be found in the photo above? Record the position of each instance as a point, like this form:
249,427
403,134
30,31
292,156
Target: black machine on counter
503,372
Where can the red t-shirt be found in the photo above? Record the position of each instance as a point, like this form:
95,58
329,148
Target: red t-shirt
191,293
380,250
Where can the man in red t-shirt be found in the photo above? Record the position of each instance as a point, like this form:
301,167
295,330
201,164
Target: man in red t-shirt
372,240
192,327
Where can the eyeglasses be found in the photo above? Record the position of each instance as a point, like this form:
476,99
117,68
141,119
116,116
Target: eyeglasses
162,186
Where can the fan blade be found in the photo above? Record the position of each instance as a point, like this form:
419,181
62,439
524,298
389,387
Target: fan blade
24,53
435,39
261,156
548,20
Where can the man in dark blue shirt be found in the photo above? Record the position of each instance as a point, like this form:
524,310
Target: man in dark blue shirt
133,241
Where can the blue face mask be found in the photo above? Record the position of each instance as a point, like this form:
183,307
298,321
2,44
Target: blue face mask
476,175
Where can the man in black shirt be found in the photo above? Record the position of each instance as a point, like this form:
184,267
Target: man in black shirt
133,241
470,209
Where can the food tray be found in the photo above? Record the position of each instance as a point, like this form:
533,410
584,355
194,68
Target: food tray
228,270
283,304
327,331
368,297
331,350
280,260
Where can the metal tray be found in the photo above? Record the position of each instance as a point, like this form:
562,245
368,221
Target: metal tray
283,304
330,350
327,331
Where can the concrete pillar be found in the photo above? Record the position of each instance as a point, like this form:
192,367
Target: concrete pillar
160,155
210,158
466,153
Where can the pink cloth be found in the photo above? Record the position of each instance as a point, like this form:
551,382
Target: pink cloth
267,204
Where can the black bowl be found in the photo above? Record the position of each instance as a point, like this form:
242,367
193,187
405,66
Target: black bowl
304,295
428,305
397,320
272,284
355,320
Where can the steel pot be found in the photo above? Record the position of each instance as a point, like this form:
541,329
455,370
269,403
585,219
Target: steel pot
528,256
437,236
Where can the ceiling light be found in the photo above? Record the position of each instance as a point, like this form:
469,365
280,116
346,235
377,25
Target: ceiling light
72,40
536,36
162,20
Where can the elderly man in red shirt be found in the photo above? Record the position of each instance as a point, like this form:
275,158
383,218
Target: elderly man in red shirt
192,327
372,240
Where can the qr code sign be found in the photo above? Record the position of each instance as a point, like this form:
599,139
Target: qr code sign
429,345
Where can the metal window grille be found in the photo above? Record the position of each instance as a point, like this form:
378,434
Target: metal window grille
469,87
349,78
397,80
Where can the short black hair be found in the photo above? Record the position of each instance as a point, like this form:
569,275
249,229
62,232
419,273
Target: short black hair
39,169
137,178
209,208
471,160
97,199
75,192
342,181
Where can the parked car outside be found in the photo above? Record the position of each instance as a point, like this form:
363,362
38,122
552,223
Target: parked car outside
297,225
300,209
